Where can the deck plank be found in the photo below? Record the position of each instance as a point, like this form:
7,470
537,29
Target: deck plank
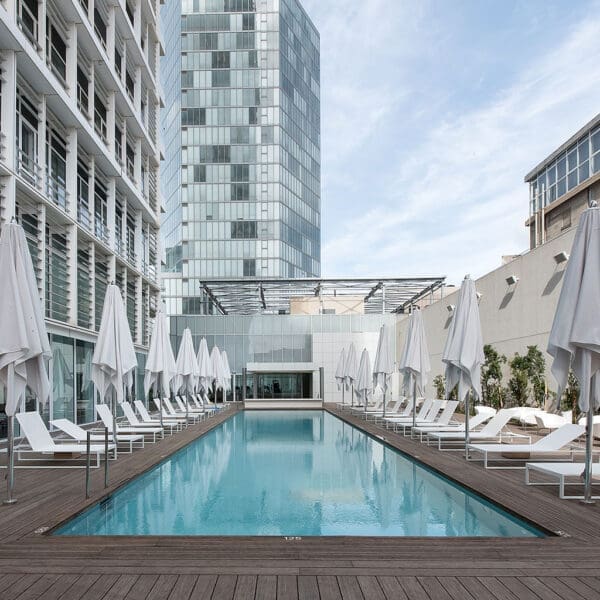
308,588
182,590
370,587
392,588
205,584
266,587
350,588
224,588
287,587
245,587
581,587
328,587
142,587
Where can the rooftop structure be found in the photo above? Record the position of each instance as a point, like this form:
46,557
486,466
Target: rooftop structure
561,186
334,296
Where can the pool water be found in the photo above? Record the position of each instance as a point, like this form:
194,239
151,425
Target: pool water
293,473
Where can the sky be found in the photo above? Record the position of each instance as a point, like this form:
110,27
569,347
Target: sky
432,113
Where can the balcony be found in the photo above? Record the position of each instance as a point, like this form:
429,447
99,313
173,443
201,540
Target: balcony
101,231
27,168
84,217
57,191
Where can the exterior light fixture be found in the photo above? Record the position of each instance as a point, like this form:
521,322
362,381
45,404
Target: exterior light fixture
479,295
561,257
512,279
450,308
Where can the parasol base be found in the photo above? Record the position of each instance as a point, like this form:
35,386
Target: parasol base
587,502
11,501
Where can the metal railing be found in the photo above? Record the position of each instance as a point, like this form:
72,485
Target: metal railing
28,168
57,192
84,217
101,231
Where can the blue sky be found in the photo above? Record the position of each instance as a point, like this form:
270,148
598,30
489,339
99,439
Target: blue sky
432,113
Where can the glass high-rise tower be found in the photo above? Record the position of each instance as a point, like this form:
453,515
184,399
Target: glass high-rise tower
241,177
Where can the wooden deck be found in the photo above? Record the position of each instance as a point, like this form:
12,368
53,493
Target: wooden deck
35,565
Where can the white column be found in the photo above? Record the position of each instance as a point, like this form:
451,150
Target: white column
138,246
137,164
71,62
42,29
8,128
110,34
111,212
92,202
72,272
92,94
110,123
41,150
71,168
139,310
137,91
42,255
93,284
137,20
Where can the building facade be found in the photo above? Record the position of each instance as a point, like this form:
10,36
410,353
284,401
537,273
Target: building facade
562,185
241,178
79,166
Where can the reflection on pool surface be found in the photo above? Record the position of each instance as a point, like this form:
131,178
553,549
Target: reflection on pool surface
293,473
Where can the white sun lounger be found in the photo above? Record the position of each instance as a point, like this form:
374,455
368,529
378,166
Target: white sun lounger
431,417
442,420
148,429
565,472
40,442
192,410
490,432
166,413
106,417
80,435
474,422
423,412
205,404
552,444
168,422
177,413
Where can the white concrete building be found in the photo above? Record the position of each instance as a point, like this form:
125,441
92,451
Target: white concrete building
79,159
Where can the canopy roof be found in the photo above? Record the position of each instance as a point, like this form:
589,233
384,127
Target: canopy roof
272,296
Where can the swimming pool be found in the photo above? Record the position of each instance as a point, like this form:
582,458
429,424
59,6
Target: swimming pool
293,473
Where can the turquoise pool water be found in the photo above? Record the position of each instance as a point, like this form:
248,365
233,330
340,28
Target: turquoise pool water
292,473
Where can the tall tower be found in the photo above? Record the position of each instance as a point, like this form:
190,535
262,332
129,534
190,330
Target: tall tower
241,177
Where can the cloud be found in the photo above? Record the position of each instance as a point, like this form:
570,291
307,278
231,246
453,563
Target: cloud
454,200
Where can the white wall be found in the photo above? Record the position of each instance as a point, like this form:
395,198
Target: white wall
512,317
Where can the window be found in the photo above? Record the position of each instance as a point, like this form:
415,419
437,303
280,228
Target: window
27,18
187,79
240,192
243,230
199,173
83,195
56,157
100,117
239,5
240,135
215,154
240,172
220,60
221,78
56,51
248,22
100,26
252,116
252,59
118,144
193,116
129,85
27,139
266,135
249,267
83,101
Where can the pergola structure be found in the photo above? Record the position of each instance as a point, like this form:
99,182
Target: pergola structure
272,296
